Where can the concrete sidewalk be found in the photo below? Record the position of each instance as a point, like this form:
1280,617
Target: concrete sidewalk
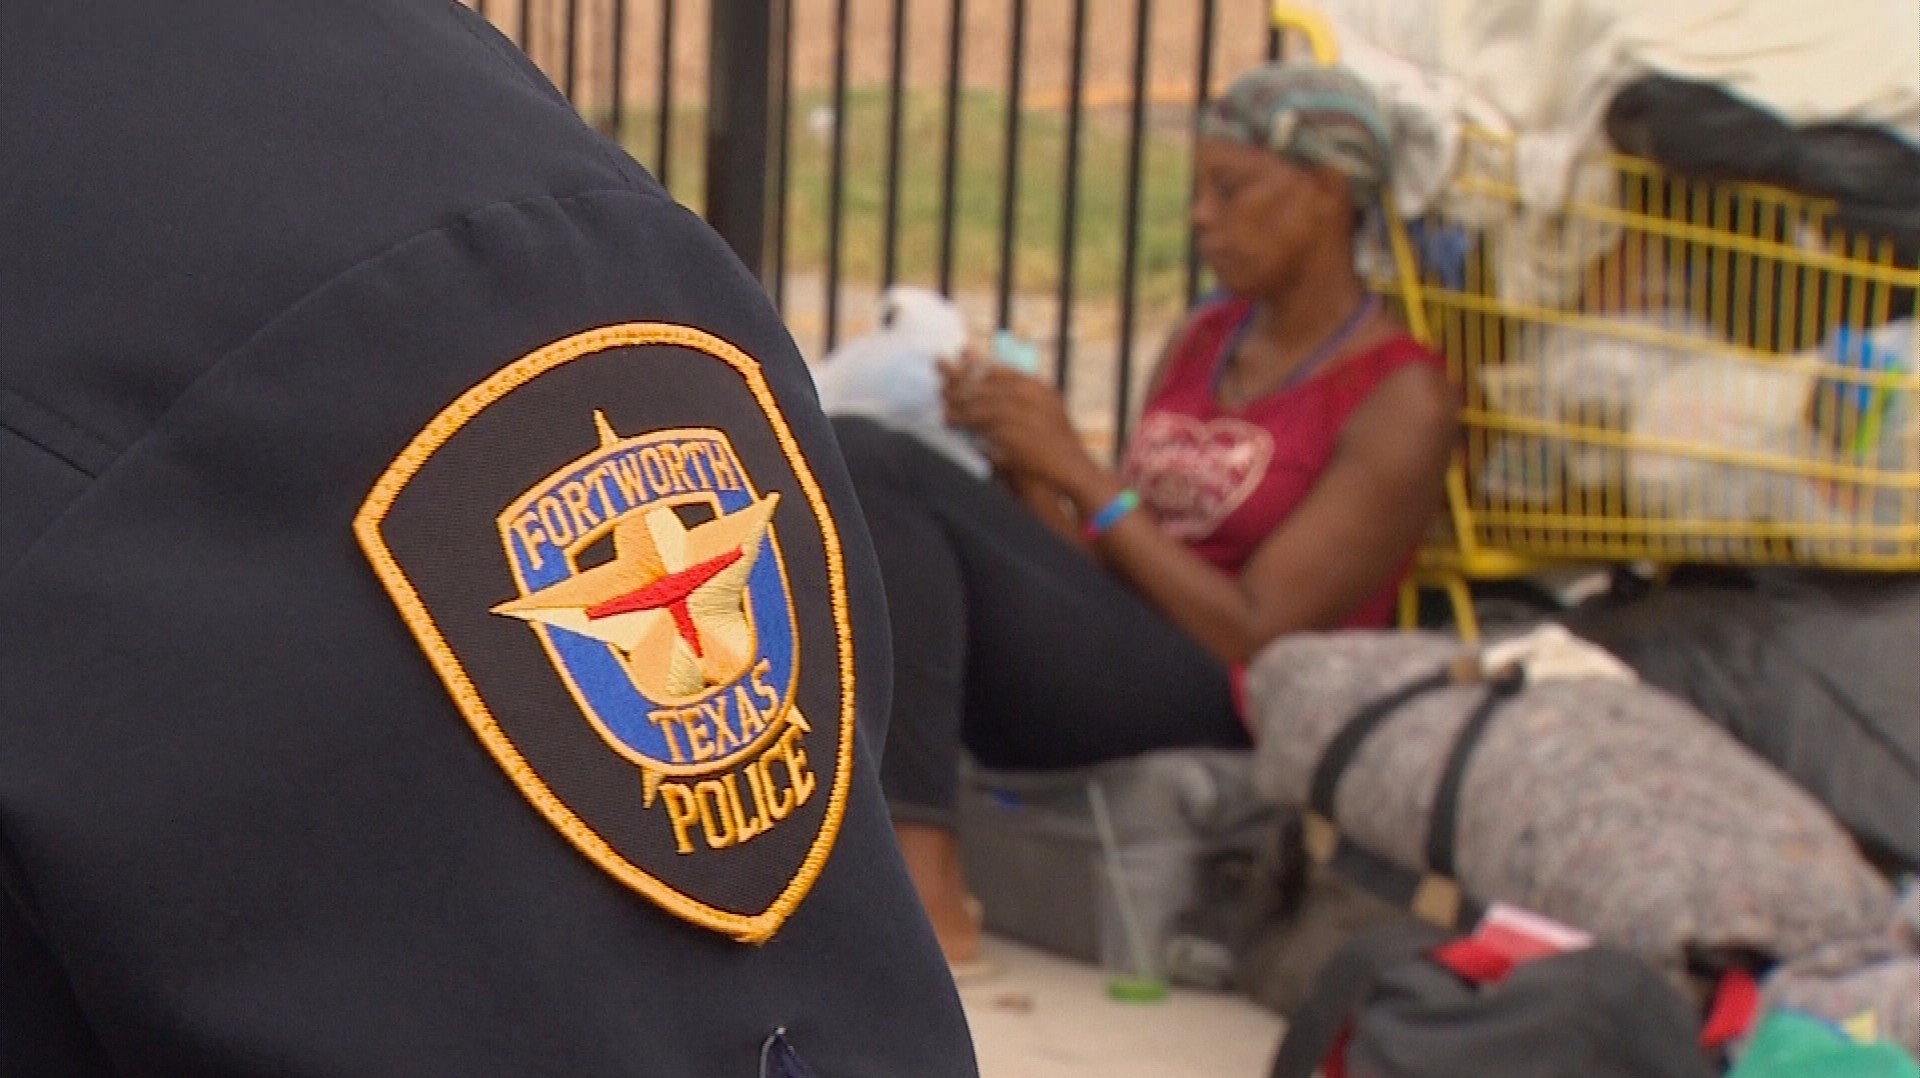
1044,1017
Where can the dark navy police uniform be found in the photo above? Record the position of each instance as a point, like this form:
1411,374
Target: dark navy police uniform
434,625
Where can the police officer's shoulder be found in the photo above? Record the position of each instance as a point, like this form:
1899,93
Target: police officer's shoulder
432,648
172,179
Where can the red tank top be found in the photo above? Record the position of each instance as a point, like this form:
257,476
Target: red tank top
1221,480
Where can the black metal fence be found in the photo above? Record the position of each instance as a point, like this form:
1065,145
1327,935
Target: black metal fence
1028,158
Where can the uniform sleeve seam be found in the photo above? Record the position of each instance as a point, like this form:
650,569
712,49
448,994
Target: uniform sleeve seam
388,251
288,311
54,434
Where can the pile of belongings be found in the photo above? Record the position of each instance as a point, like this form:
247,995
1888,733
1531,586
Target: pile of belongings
1705,131
1545,75
1598,802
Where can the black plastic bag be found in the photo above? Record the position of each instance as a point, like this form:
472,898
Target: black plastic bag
1700,130
1818,673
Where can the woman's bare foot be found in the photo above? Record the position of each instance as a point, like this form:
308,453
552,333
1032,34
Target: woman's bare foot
933,861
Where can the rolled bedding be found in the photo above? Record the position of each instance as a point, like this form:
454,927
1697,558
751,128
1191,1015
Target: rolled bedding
1606,805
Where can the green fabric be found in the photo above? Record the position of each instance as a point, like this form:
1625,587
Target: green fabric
1791,1045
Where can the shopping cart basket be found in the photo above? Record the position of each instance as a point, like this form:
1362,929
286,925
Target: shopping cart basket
1657,370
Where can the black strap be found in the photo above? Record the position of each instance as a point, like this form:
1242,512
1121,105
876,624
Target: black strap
1434,896
1400,887
1341,987
1346,744
1443,827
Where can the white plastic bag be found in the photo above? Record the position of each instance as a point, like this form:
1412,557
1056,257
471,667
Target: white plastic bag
892,374
1713,405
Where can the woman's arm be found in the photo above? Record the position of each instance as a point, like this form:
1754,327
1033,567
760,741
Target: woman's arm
1344,542
1045,501
1041,497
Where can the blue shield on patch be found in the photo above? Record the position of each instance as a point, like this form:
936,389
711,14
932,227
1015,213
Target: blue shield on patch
680,646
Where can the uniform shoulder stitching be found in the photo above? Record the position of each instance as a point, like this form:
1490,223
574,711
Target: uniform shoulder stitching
108,464
54,434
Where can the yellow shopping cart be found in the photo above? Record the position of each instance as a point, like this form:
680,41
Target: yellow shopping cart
1657,370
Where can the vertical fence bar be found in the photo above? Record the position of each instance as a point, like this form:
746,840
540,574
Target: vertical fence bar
1130,221
1070,195
950,155
737,131
783,129
836,171
1276,42
951,143
525,41
1010,174
571,65
663,121
617,60
480,8
890,230
1202,89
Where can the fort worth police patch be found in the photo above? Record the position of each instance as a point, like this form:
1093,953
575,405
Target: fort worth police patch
618,561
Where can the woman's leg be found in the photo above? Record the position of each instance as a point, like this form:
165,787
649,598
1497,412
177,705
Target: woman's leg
1009,640
926,609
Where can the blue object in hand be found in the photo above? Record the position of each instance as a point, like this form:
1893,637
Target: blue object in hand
1016,353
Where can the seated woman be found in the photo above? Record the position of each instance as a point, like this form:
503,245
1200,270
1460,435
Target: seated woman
1289,458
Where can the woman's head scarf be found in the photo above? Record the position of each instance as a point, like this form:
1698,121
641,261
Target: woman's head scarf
1311,115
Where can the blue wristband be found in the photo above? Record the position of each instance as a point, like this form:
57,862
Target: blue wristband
1109,514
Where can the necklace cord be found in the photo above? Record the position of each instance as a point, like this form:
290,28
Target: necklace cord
1301,371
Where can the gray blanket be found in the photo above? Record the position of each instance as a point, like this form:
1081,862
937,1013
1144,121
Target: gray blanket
1612,807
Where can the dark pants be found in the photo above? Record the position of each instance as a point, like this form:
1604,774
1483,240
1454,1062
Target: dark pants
1008,640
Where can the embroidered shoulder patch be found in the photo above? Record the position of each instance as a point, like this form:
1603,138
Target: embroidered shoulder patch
618,561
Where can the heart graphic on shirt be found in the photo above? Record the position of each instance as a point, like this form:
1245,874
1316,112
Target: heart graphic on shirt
1195,473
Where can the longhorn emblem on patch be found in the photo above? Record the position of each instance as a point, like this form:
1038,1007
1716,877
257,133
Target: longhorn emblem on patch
644,618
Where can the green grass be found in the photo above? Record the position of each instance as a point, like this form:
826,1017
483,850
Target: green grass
1161,254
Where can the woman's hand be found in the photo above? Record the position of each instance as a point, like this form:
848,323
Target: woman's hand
1020,418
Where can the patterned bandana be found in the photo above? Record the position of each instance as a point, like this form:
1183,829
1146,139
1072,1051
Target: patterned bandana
1320,117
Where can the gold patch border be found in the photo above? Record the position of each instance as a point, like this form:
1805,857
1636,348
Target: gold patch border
747,928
